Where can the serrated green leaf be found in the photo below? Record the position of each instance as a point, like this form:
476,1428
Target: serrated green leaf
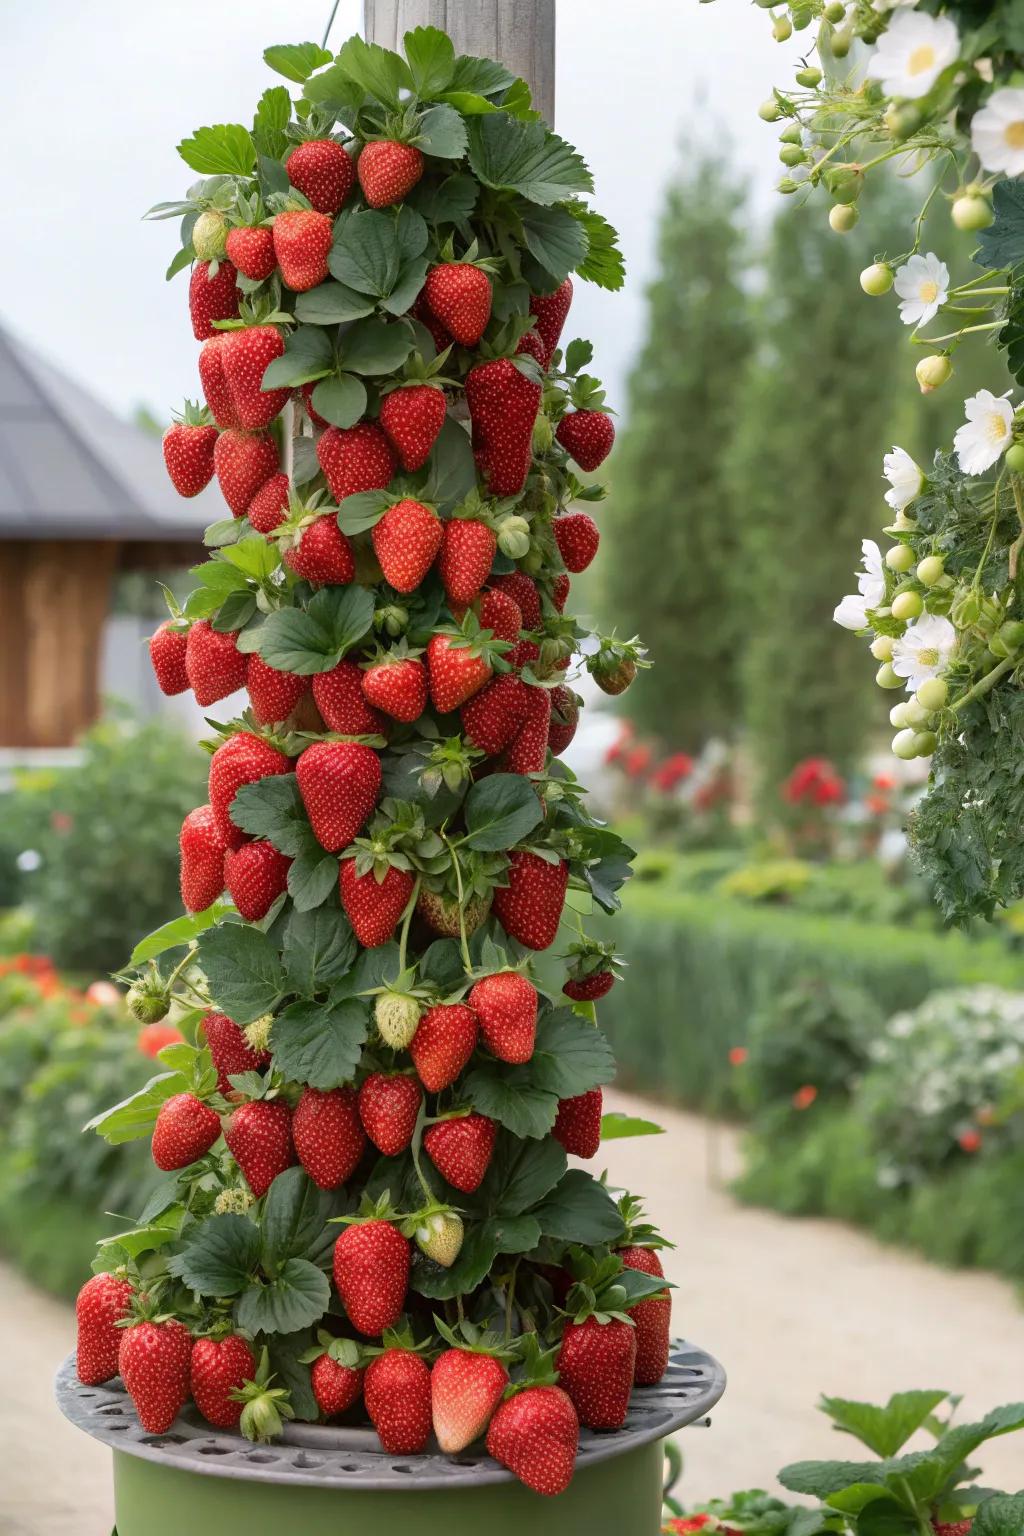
570,1056
219,1256
520,1174
312,878
377,71
1002,244
340,399
315,639
242,969
579,1210
450,202
255,557
320,1043
554,238
883,1430
406,290
273,113
442,132
319,948
296,61
452,466
431,57
514,156
366,254
296,1298
308,354
135,1116
376,346
1002,1515
179,931
332,304
500,811
604,263
222,149
271,809
483,77
508,1095
294,1214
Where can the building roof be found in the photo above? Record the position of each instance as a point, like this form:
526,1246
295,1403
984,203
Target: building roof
70,468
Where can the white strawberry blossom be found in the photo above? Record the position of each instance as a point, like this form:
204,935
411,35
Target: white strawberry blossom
997,132
912,53
986,434
924,650
852,612
922,283
905,477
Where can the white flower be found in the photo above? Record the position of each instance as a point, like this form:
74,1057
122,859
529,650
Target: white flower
852,612
997,132
906,479
923,650
911,55
923,284
891,5
986,433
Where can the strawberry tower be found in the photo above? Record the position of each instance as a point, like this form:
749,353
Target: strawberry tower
378,1128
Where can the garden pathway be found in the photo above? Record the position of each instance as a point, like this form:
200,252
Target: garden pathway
792,1308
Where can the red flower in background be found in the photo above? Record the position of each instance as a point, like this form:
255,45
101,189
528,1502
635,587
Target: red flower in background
619,746
805,1096
60,821
672,771
814,782
969,1140
884,781
878,805
152,1038
637,761
737,1055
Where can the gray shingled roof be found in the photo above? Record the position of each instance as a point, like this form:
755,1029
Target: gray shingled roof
70,468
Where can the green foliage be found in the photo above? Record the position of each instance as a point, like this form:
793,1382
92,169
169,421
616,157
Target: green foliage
815,1032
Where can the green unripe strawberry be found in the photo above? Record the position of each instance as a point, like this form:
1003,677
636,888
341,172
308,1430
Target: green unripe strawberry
877,279
769,111
881,648
898,716
904,744
440,1237
900,557
907,605
1015,458
809,77
972,212
209,235
925,743
782,29
396,1017
932,694
147,1003
930,570
792,154
902,120
835,12
843,217
885,677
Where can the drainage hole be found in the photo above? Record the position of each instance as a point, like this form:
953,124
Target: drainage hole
159,1440
261,1458
214,1450
302,1460
396,1468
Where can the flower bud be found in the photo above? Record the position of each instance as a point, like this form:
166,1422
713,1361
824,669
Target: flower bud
543,434
966,609
904,744
809,76
925,743
898,716
393,619
769,111
782,29
881,648
902,120
844,182
885,677
843,217
1008,639
972,212
1015,458
841,43
907,605
877,279
792,134
835,12
915,714
147,1003
514,537
932,694
930,570
932,372
899,558
787,185
793,154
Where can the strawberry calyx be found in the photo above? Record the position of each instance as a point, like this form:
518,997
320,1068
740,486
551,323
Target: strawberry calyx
536,1366
416,370
401,1337
469,639
449,764
586,394
263,309
303,512
397,838
639,1232
369,1209
192,414
265,1407
589,957
347,1352
146,1306
471,1339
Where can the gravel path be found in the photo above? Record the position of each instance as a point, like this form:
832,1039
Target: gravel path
792,1308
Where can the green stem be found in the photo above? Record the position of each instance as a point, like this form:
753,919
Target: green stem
991,532
1018,543
463,941
410,908
330,24
985,684
510,1296
972,292
967,330
414,1148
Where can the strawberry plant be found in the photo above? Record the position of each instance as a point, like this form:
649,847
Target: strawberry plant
365,1129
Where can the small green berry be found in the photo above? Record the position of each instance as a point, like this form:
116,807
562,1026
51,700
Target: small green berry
907,605
932,694
930,570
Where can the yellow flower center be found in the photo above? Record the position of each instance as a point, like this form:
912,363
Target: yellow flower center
921,60
1013,133
928,656
995,427
928,291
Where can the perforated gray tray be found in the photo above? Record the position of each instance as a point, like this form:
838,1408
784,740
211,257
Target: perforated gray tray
321,1455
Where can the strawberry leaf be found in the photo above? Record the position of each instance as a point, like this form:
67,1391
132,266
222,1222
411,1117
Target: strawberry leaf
319,947
223,149
296,1298
1002,1515
179,931
136,1116
508,1094
615,1126
580,1210
442,132
376,346
219,1257
315,639
500,811
294,1214
296,61
604,264
514,156
431,56
243,971
554,239
570,1056
308,354
374,70
332,304
366,254
320,1044
312,878
340,399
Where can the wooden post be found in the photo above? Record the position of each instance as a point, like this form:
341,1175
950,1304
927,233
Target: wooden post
519,33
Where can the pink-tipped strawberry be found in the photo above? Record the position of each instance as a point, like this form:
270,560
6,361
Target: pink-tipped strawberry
388,171
412,416
336,1376
565,716
460,296
355,459
185,1130
269,507
373,904
99,1307
242,759
503,404
153,1363
272,694
323,172
245,358
550,310
188,446
536,1434
587,437
461,1149
396,1390
202,845
577,537
167,647
406,541
255,876
444,1041
328,1135
218,1368
466,1387
214,384
506,1007
338,695
211,298
251,248
244,462
371,1274
595,1366
458,665
231,1052
467,554
651,1318
578,1123
389,1103
492,718
259,1138
321,553
339,782
214,664
523,591
530,906
302,243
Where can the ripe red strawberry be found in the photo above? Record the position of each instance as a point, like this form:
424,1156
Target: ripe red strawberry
388,171
255,876
272,694
218,1368
339,782
530,906
231,1052
251,248
587,437
503,404
412,417
153,1362
578,1123
587,989
652,1320
211,298
306,391
577,537
188,447
536,1435
245,358
528,752
328,1135
268,509
406,542
242,759
356,459
460,296
533,344
947,1528
425,315
185,1130
335,1385
215,385
396,1390
465,1389
492,717
259,1138
322,553
455,671
523,590
388,1105
167,648
101,1302
302,242
323,173
338,695
462,1149
467,554
244,463
595,1367
560,591
565,717
398,686
214,664
373,906
371,1274
444,1041
550,310
500,613
506,1006
202,846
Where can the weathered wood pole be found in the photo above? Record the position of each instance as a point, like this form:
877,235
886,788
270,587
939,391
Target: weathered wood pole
519,33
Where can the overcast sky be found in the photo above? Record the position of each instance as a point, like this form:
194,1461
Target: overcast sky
100,91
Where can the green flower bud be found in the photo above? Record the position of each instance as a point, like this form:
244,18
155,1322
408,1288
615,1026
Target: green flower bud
1015,458
843,217
844,182
885,677
782,30
898,716
966,609
841,43
877,279
1008,639
902,120
904,744
925,743
808,76
787,185
899,558
907,605
915,714
793,154
835,12
972,212
930,570
881,648
793,134
514,537
769,111
932,694
932,372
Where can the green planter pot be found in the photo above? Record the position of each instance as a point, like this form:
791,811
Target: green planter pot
328,1481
